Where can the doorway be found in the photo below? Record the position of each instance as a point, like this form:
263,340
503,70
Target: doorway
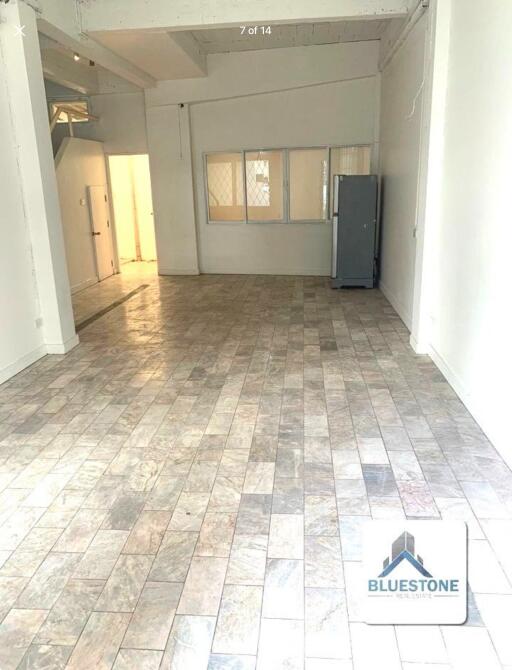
132,204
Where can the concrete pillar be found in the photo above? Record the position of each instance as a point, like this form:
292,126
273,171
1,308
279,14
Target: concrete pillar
170,159
23,76
430,178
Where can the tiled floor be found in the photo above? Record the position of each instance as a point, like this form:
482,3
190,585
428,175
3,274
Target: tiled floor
100,296
185,489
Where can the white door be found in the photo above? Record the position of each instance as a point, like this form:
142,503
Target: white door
100,224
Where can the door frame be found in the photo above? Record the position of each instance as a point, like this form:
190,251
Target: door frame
91,224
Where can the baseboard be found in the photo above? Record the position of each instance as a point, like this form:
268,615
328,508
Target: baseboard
62,347
22,363
397,304
178,271
84,284
500,438
278,271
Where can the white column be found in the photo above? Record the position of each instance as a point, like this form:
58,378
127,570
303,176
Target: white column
170,159
23,75
430,179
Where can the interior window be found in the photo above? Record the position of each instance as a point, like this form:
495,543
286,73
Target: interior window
226,200
80,106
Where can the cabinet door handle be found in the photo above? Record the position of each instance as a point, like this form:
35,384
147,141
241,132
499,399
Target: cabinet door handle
96,234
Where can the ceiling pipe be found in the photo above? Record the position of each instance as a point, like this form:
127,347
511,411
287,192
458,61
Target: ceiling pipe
413,19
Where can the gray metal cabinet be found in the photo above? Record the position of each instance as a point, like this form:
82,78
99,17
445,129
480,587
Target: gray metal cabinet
354,227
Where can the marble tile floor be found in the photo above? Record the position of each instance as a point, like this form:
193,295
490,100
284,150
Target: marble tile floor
99,296
185,489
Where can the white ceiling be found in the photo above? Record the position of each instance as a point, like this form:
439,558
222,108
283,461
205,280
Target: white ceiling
84,77
181,55
60,67
221,40
156,53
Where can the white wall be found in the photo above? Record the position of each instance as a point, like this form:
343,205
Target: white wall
79,163
36,312
469,268
21,341
170,161
122,124
400,143
121,111
305,96
340,113
250,72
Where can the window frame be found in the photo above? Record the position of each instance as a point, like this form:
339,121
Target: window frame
55,102
286,182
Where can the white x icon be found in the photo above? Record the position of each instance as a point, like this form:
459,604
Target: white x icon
19,31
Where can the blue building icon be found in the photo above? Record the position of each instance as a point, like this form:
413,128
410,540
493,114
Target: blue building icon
403,548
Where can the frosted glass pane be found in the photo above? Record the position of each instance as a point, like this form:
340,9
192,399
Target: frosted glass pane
264,184
225,187
308,184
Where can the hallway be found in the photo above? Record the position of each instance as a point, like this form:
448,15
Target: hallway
185,489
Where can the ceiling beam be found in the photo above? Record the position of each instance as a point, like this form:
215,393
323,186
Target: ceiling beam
396,37
64,71
191,49
101,15
62,22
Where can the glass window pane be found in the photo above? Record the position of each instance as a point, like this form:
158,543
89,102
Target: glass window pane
225,187
349,160
308,184
264,185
